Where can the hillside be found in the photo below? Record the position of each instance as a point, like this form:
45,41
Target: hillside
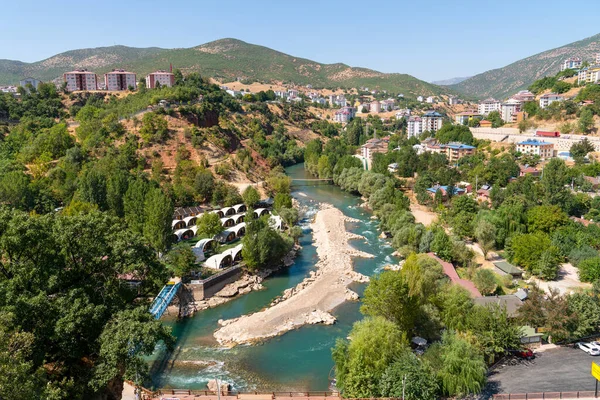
451,81
502,82
226,59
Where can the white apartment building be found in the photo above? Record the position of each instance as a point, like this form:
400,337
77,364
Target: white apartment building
536,147
30,81
509,108
571,63
80,79
119,79
414,127
430,100
589,75
432,121
489,105
161,77
375,106
550,98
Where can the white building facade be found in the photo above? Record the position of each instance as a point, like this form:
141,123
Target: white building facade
80,79
414,127
119,79
489,105
160,78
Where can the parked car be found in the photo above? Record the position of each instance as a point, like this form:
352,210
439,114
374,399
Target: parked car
525,354
588,348
595,344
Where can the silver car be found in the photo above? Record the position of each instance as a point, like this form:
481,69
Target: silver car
589,348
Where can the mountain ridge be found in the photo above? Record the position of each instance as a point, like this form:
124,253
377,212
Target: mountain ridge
504,81
224,59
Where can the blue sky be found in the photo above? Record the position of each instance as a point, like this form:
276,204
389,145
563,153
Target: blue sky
431,40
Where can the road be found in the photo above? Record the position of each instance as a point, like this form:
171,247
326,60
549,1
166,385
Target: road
562,369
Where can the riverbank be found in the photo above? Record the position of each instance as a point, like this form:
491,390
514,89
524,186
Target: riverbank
310,301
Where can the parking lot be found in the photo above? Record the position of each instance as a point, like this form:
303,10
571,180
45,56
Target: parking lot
562,369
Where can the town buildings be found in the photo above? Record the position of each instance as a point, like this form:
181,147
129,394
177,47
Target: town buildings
463,118
30,81
432,121
430,100
535,147
453,100
160,78
550,98
387,105
589,74
119,79
420,99
414,126
571,63
403,113
509,109
488,105
523,96
80,79
375,106
345,114
371,147
455,151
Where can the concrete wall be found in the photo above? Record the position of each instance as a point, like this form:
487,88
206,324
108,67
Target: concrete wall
208,287
512,135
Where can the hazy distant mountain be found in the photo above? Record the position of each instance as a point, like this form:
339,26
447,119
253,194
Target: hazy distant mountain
226,58
451,81
502,82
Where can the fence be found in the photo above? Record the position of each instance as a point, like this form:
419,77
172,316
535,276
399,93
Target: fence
546,396
209,395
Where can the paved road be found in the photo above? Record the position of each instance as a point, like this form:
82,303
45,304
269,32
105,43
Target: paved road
562,369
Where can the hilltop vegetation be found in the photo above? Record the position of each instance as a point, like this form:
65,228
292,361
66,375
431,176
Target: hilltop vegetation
226,59
502,82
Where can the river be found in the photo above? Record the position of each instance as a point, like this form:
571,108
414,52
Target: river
298,360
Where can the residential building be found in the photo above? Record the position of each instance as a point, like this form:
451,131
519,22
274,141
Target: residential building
119,79
430,100
414,126
344,114
319,100
371,147
536,147
160,78
375,106
432,121
523,96
509,108
488,105
393,168
504,268
80,79
484,193
589,74
550,98
387,105
463,118
571,63
30,81
420,99
8,89
293,93
484,123
455,151
404,113
453,100
528,170
508,302
281,93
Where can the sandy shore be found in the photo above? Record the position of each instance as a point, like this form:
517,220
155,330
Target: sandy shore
311,301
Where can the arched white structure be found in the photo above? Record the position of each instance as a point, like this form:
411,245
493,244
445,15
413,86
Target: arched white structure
239,208
219,261
218,212
202,243
239,229
190,221
259,212
236,253
237,218
183,234
228,211
227,222
200,248
177,224
276,222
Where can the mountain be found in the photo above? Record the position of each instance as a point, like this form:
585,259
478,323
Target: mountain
451,81
227,59
502,82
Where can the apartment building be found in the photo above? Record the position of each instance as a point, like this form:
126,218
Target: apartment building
160,78
463,118
550,98
414,127
345,114
119,79
571,63
80,79
375,106
487,106
589,74
371,147
536,147
432,121
509,109
523,96
455,151
30,81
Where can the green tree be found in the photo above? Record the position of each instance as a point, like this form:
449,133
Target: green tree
134,205
409,378
485,281
442,245
251,196
581,149
589,269
159,215
586,120
289,216
204,184
181,260
360,363
282,200
485,233
526,249
555,176
209,225
546,218
496,119
494,330
388,296
462,366
263,247
587,310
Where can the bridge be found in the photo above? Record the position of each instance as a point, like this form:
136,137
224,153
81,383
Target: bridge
164,298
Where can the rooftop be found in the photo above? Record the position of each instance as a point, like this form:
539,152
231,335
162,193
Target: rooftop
534,142
511,302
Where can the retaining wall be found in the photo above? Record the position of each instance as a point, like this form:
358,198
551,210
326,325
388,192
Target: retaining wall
208,287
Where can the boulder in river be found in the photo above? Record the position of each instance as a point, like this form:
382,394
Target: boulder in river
213,386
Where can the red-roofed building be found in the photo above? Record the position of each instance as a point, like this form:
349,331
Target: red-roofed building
451,273
527,170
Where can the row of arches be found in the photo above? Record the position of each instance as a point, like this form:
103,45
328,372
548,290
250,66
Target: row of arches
225,259
182,227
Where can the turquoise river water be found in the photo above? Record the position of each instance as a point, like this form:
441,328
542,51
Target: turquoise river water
298,360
